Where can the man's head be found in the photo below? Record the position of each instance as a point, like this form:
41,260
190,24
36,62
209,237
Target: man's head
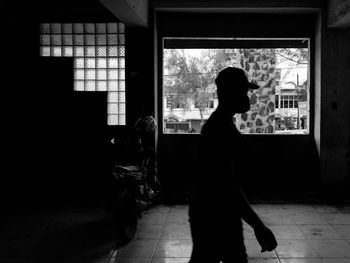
232,87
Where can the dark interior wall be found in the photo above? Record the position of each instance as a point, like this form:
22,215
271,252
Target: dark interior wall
140,77
55,138
19,105
278,163
63,135
335,110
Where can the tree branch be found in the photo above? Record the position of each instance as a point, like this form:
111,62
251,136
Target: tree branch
290,59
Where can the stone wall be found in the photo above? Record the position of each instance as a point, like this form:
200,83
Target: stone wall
259,64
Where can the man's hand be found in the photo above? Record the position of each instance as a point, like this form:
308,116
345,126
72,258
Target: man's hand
265,238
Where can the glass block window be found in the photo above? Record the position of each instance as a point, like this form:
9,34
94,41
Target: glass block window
98,50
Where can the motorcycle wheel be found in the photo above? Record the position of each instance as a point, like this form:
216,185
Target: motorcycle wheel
158,192
125,217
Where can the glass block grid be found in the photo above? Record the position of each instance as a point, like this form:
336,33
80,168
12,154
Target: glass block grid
98,50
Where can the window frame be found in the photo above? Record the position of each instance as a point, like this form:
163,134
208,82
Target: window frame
301,23
193,42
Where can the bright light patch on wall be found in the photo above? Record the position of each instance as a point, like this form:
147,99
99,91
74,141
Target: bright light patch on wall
98,50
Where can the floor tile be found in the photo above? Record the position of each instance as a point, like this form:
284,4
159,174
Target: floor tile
149,231
295,249
54,260
343,230
23,229
308,218
337,219
336,260
319,232
177,218
263,260
139,248
326,209
301,260
331,248
129,260
299,208
21,248
275,208
276,218
84,260
173,248
176,231
170,260
178,215
153,218
305,234
160,209
287,232
180,208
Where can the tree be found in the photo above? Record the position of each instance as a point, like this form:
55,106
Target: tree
189,79
296,55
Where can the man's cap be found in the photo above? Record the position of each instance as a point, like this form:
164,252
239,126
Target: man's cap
236,77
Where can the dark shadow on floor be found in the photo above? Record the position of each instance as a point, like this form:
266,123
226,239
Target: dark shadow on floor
56,234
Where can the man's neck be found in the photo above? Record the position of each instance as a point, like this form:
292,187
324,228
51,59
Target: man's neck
223,113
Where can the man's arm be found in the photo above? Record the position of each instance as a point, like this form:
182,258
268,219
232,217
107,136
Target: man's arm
263,234
246,211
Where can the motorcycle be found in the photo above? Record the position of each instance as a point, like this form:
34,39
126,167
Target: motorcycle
136,185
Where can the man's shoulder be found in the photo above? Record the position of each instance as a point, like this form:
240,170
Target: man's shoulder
216,125
211,126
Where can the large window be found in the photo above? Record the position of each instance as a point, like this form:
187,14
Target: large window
279,66
98,50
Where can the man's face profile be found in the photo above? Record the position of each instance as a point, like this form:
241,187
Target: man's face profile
234,99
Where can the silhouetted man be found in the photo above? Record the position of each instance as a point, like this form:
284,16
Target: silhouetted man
219,204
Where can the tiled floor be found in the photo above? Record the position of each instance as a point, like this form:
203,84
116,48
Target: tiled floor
305,233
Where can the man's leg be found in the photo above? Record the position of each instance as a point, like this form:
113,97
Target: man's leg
233,248
203,240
